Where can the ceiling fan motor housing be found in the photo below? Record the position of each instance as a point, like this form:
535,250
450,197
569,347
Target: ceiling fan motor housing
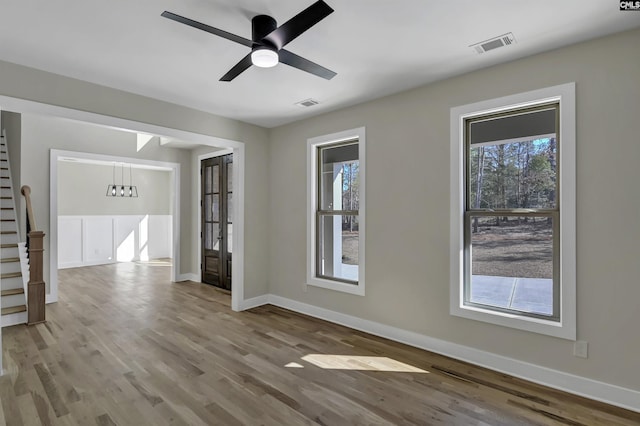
261,25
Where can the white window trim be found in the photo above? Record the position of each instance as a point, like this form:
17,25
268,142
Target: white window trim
312,185
565,95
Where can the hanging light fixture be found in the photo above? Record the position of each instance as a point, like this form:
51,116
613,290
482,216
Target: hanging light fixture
122,180
133,190
114,190
111,189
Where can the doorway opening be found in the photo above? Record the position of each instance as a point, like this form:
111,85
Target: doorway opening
94,229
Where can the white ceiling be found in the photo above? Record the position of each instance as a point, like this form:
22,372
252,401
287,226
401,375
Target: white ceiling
377,47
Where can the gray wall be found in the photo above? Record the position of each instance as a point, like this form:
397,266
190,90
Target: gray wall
27,83
407,235
82,188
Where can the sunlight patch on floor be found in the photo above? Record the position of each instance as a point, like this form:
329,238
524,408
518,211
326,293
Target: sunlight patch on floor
357,363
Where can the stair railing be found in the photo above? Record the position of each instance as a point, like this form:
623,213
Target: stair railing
35,249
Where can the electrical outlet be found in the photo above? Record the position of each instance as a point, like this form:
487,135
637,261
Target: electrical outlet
581,349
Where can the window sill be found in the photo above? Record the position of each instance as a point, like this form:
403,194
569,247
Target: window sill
520,322
357,289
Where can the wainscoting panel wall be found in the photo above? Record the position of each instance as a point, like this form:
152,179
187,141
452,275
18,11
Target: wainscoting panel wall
99,240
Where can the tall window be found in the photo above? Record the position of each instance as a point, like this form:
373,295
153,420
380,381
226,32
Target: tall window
513,228
336,217
512,211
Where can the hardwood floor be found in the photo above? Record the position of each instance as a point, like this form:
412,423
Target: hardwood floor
125,346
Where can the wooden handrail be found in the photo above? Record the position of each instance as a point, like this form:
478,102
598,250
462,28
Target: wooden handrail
35,247
26,191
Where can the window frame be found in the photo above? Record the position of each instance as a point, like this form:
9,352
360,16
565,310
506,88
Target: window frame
314,213
564,326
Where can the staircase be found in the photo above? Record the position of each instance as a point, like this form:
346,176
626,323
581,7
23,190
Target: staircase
12,280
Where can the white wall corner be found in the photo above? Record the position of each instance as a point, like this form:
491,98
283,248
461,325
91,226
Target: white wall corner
254,302
189,276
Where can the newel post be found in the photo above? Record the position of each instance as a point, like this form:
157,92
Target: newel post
36,285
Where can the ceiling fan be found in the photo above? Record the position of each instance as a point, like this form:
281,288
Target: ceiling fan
268,40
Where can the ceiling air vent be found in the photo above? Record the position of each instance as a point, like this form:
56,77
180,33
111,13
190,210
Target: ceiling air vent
494,43
307,103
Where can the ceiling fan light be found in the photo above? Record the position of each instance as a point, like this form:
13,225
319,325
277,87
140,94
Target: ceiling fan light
264,58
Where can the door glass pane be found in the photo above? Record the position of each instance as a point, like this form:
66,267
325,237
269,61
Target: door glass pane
215,207
215,233
229,238
229,207
216,178
338,248
207,179
207,208
207,236
230,177
512,263
339,177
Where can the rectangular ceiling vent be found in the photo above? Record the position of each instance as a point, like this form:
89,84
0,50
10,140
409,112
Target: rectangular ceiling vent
307,103
494,43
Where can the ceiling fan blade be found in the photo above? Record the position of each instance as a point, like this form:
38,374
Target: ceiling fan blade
207,28
300,23
238,68
303,64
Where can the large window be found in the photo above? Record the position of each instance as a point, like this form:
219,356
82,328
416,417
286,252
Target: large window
336,216
513,228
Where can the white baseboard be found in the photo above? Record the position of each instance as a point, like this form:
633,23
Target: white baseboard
254,302
592,389
80,264
188,277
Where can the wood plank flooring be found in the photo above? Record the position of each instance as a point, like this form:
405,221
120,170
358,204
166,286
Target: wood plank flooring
124,346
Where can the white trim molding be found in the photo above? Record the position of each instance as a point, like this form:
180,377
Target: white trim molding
188,277
254,302
577,385
566,327
312,185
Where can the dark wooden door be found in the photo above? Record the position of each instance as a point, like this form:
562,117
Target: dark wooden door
217,226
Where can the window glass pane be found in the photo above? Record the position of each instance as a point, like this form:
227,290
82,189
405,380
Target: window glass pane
512,263
338,247
215,207
207,179
207,236
216,178
207,208
513,173
215,234
339,177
